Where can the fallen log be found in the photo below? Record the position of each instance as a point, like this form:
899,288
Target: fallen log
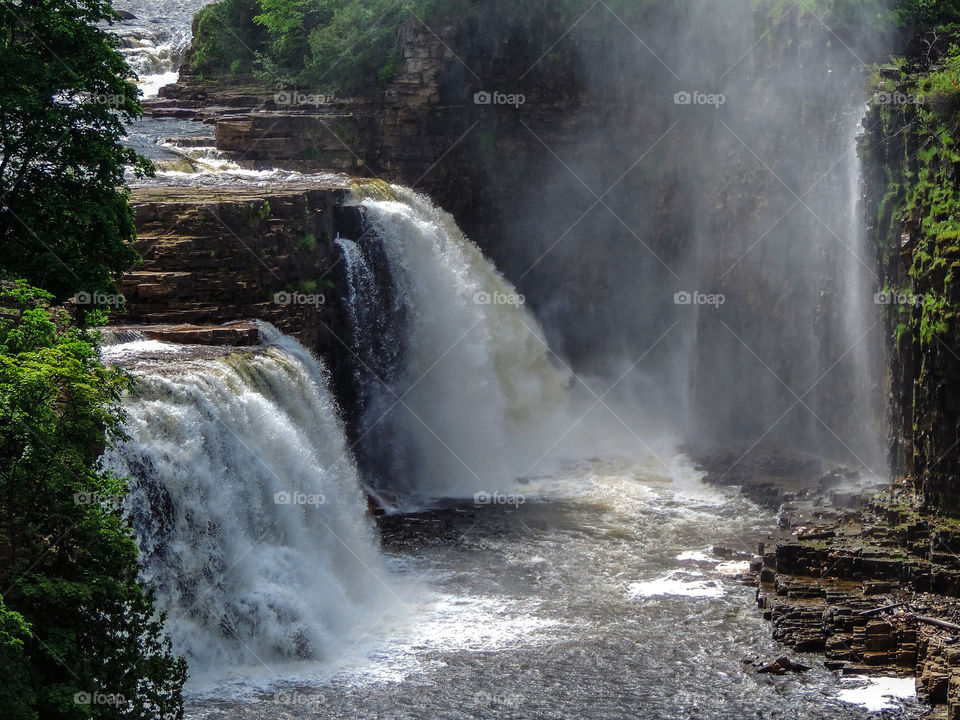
952,627
877,611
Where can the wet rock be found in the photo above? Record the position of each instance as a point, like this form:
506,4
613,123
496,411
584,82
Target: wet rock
780,666
187,236
853,590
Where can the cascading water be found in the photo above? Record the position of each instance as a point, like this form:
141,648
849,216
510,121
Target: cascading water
246,504
567,601
154,38
474,399
377,319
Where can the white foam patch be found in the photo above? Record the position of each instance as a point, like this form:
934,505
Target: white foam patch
733,567
677,584
880,693
124,351
151,84
396,645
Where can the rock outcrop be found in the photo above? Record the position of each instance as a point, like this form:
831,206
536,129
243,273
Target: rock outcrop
218,255
876,591
912,192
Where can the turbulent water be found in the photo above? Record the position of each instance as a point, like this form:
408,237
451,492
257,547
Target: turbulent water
591,588
245,501
598,597
154,40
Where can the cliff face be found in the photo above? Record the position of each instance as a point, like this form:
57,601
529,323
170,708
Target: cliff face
912,193
218,255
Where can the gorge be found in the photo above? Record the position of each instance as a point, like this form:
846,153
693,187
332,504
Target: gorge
523,359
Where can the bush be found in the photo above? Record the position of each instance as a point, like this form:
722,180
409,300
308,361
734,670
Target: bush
74,620
226,38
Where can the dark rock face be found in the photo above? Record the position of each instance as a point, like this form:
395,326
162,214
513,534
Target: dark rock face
293,140
911,195
214,256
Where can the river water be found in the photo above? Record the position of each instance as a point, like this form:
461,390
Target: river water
599,597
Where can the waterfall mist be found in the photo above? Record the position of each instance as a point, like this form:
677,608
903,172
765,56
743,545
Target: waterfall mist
695,225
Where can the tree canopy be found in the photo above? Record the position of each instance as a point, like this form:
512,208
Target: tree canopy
65,95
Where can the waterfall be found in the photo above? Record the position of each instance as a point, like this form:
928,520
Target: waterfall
862,331
245,501
469,395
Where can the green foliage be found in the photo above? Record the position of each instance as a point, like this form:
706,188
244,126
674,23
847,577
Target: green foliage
227,40
307,243
913,13
855,15
353,45
259,212
919,117
17,695
74,621
65,94
934,319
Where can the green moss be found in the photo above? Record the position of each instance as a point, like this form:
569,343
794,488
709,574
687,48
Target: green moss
259,212
308,243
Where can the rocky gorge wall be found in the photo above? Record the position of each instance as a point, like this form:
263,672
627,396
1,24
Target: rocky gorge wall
721,210
911,197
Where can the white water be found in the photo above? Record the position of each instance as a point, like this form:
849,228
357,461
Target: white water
880,693
481,398
246,503
153,42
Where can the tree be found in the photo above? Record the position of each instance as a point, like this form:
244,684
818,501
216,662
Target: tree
78,634
65,95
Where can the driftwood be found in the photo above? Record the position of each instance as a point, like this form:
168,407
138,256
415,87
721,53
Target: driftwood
877,611
952,627
910,615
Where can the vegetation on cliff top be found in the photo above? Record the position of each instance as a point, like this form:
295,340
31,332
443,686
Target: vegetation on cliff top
332,45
